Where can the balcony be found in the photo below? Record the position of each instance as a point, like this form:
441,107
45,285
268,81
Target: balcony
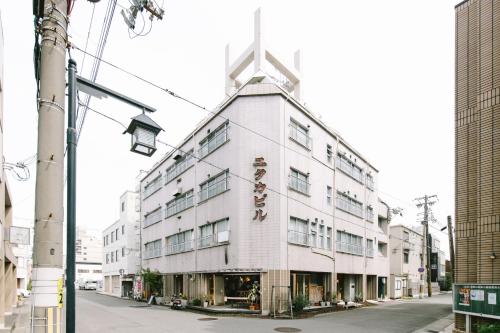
300,136
179,248
299,185
152,217
181,204
152,253
219,238
343,203
370,252
349,169
349,248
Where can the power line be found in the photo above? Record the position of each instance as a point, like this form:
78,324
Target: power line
88,34
252,182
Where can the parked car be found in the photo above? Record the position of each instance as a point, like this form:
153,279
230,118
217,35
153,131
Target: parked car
23,292
90,285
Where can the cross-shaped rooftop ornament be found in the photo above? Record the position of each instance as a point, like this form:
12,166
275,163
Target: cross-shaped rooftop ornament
258,52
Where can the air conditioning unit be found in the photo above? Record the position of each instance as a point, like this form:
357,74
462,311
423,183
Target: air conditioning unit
177,192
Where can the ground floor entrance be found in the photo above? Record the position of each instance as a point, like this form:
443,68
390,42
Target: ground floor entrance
314,286
382,287
350,287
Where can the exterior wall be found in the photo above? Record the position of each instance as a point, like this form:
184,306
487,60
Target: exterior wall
88,255
399,269
23,254
127,245
263,246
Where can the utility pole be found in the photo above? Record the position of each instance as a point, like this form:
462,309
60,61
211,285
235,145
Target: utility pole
426,201
49,212
452,249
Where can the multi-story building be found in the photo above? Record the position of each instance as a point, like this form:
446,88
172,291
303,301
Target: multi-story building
24,255
8,262
88,253
477,147
406,245
263,191
121,251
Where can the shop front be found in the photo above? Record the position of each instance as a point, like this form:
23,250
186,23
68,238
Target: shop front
312,285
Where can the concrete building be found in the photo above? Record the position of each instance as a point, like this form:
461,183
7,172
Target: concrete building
406,252
263,191
477,105
121,251
88,253
24,254
8,262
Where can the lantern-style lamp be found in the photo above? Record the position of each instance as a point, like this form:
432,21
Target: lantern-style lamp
144,131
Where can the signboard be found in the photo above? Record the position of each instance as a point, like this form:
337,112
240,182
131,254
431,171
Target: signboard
60,293
421,269
260,196
477,300
19,235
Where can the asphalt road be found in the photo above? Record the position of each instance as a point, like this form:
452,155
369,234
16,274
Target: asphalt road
99,313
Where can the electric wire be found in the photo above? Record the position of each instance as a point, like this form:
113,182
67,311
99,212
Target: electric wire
88,35
252,182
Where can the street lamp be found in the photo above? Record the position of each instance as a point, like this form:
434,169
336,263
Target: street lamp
144,131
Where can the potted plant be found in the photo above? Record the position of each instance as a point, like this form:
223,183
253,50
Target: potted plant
184,300
205,301
196,302
299,303
333,299
253,295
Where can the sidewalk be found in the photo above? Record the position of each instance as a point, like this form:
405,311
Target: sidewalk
443,325
23,312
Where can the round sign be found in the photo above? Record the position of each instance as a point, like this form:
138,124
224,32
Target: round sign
421,269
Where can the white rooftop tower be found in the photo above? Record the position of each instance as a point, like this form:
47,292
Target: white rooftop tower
259,53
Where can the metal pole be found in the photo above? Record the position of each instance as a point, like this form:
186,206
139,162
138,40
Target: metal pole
49,212
71,198
452,250
427,247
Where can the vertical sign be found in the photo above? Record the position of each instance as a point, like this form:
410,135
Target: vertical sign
60,293
260,197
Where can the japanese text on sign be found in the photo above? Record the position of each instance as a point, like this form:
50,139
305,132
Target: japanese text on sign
259,189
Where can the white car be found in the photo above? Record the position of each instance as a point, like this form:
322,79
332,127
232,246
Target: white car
90,285
23,292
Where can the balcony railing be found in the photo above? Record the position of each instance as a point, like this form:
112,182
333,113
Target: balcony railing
152,187
179,205
152,253
370,252
179,248
179,168
348,206
212,143
297,237
214,240
213,189
153,217
298,185
349,248
349,168
369,215
300,137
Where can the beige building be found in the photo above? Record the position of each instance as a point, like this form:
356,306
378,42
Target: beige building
477,163
8,262
88,255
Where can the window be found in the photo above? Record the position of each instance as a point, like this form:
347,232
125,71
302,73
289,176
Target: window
123,229
104,241
329,153
123,206
314,234
123,252
329,194
406,256
180,203
152,217
349,167
348,204
298,181
152,186
213,234
214,140
297,231
398,284
370,217
116,234
321,244
369,182
179,166
328,238
382,249
116,255
97,271
112,236
113,256
83,271
152,249
349,243
406,236
107,258
214,186
300,134
107,240
369,248
180,242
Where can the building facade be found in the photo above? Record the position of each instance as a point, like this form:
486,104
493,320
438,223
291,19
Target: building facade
264,192
477,146
88,256
406,248
8,262
121,248
23,253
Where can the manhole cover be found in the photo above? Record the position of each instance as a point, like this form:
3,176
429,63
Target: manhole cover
207,319
287,329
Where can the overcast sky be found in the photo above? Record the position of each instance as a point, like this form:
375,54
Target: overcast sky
379,72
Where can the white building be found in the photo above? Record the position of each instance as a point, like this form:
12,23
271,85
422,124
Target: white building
263,191
88,253
121,255
23,253
406,258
